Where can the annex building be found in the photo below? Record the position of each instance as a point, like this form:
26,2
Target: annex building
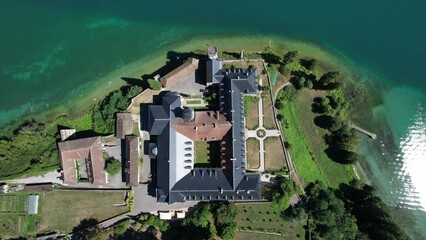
177,132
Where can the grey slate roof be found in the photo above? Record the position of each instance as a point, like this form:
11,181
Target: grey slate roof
228,183
212,68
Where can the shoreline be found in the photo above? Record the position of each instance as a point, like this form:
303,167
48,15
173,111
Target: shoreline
81,99
82,102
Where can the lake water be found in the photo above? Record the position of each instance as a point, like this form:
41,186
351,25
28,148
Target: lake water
51,52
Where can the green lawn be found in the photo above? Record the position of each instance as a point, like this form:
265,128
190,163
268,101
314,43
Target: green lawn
300,149
207,154
195,101
264,217
307,144
64,209
240,235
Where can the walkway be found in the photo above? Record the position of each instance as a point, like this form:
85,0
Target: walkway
288,159
361,130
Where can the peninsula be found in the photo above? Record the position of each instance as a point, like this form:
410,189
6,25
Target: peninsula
227,144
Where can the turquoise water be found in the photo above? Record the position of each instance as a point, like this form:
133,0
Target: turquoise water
51,52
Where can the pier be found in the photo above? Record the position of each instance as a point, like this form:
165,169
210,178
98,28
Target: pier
361,130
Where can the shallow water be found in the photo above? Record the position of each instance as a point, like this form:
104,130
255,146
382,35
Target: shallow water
53,52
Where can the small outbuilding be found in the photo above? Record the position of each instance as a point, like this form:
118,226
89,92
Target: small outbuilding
180,214
38,187
33,204
124,125
165,215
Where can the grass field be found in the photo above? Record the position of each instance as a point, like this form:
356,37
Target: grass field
264,217
251,112
274,154
300,148
335,173
268,115
64,209
307,144
254,236
253,159
207,154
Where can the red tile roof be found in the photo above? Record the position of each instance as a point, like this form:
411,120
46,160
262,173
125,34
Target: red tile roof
206,126
132,161
88,149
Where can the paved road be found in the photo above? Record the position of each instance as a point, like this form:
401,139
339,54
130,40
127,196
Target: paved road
144,203
47,177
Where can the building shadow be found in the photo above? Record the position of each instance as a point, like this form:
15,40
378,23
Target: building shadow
123,160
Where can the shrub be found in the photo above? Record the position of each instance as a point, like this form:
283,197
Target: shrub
154,84
288,93
121,228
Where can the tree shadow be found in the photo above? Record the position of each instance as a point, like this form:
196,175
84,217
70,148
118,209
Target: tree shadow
135,81
232,55
85,223
270,57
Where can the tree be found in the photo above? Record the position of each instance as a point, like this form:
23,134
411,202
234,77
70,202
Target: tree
113,166
309,84
280,193
300,82
279,104
328,122
152,220
328,212
121,228
154,84
133,91
310,64
373,216
289,57
32,144
88,230
344,138
329,80
225,220
322,105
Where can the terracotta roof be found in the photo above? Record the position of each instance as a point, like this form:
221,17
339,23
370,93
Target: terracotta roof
180,72
206,126
132,161
39,187
87,149
124,125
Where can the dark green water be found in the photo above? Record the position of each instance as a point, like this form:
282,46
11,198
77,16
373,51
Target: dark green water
53,51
